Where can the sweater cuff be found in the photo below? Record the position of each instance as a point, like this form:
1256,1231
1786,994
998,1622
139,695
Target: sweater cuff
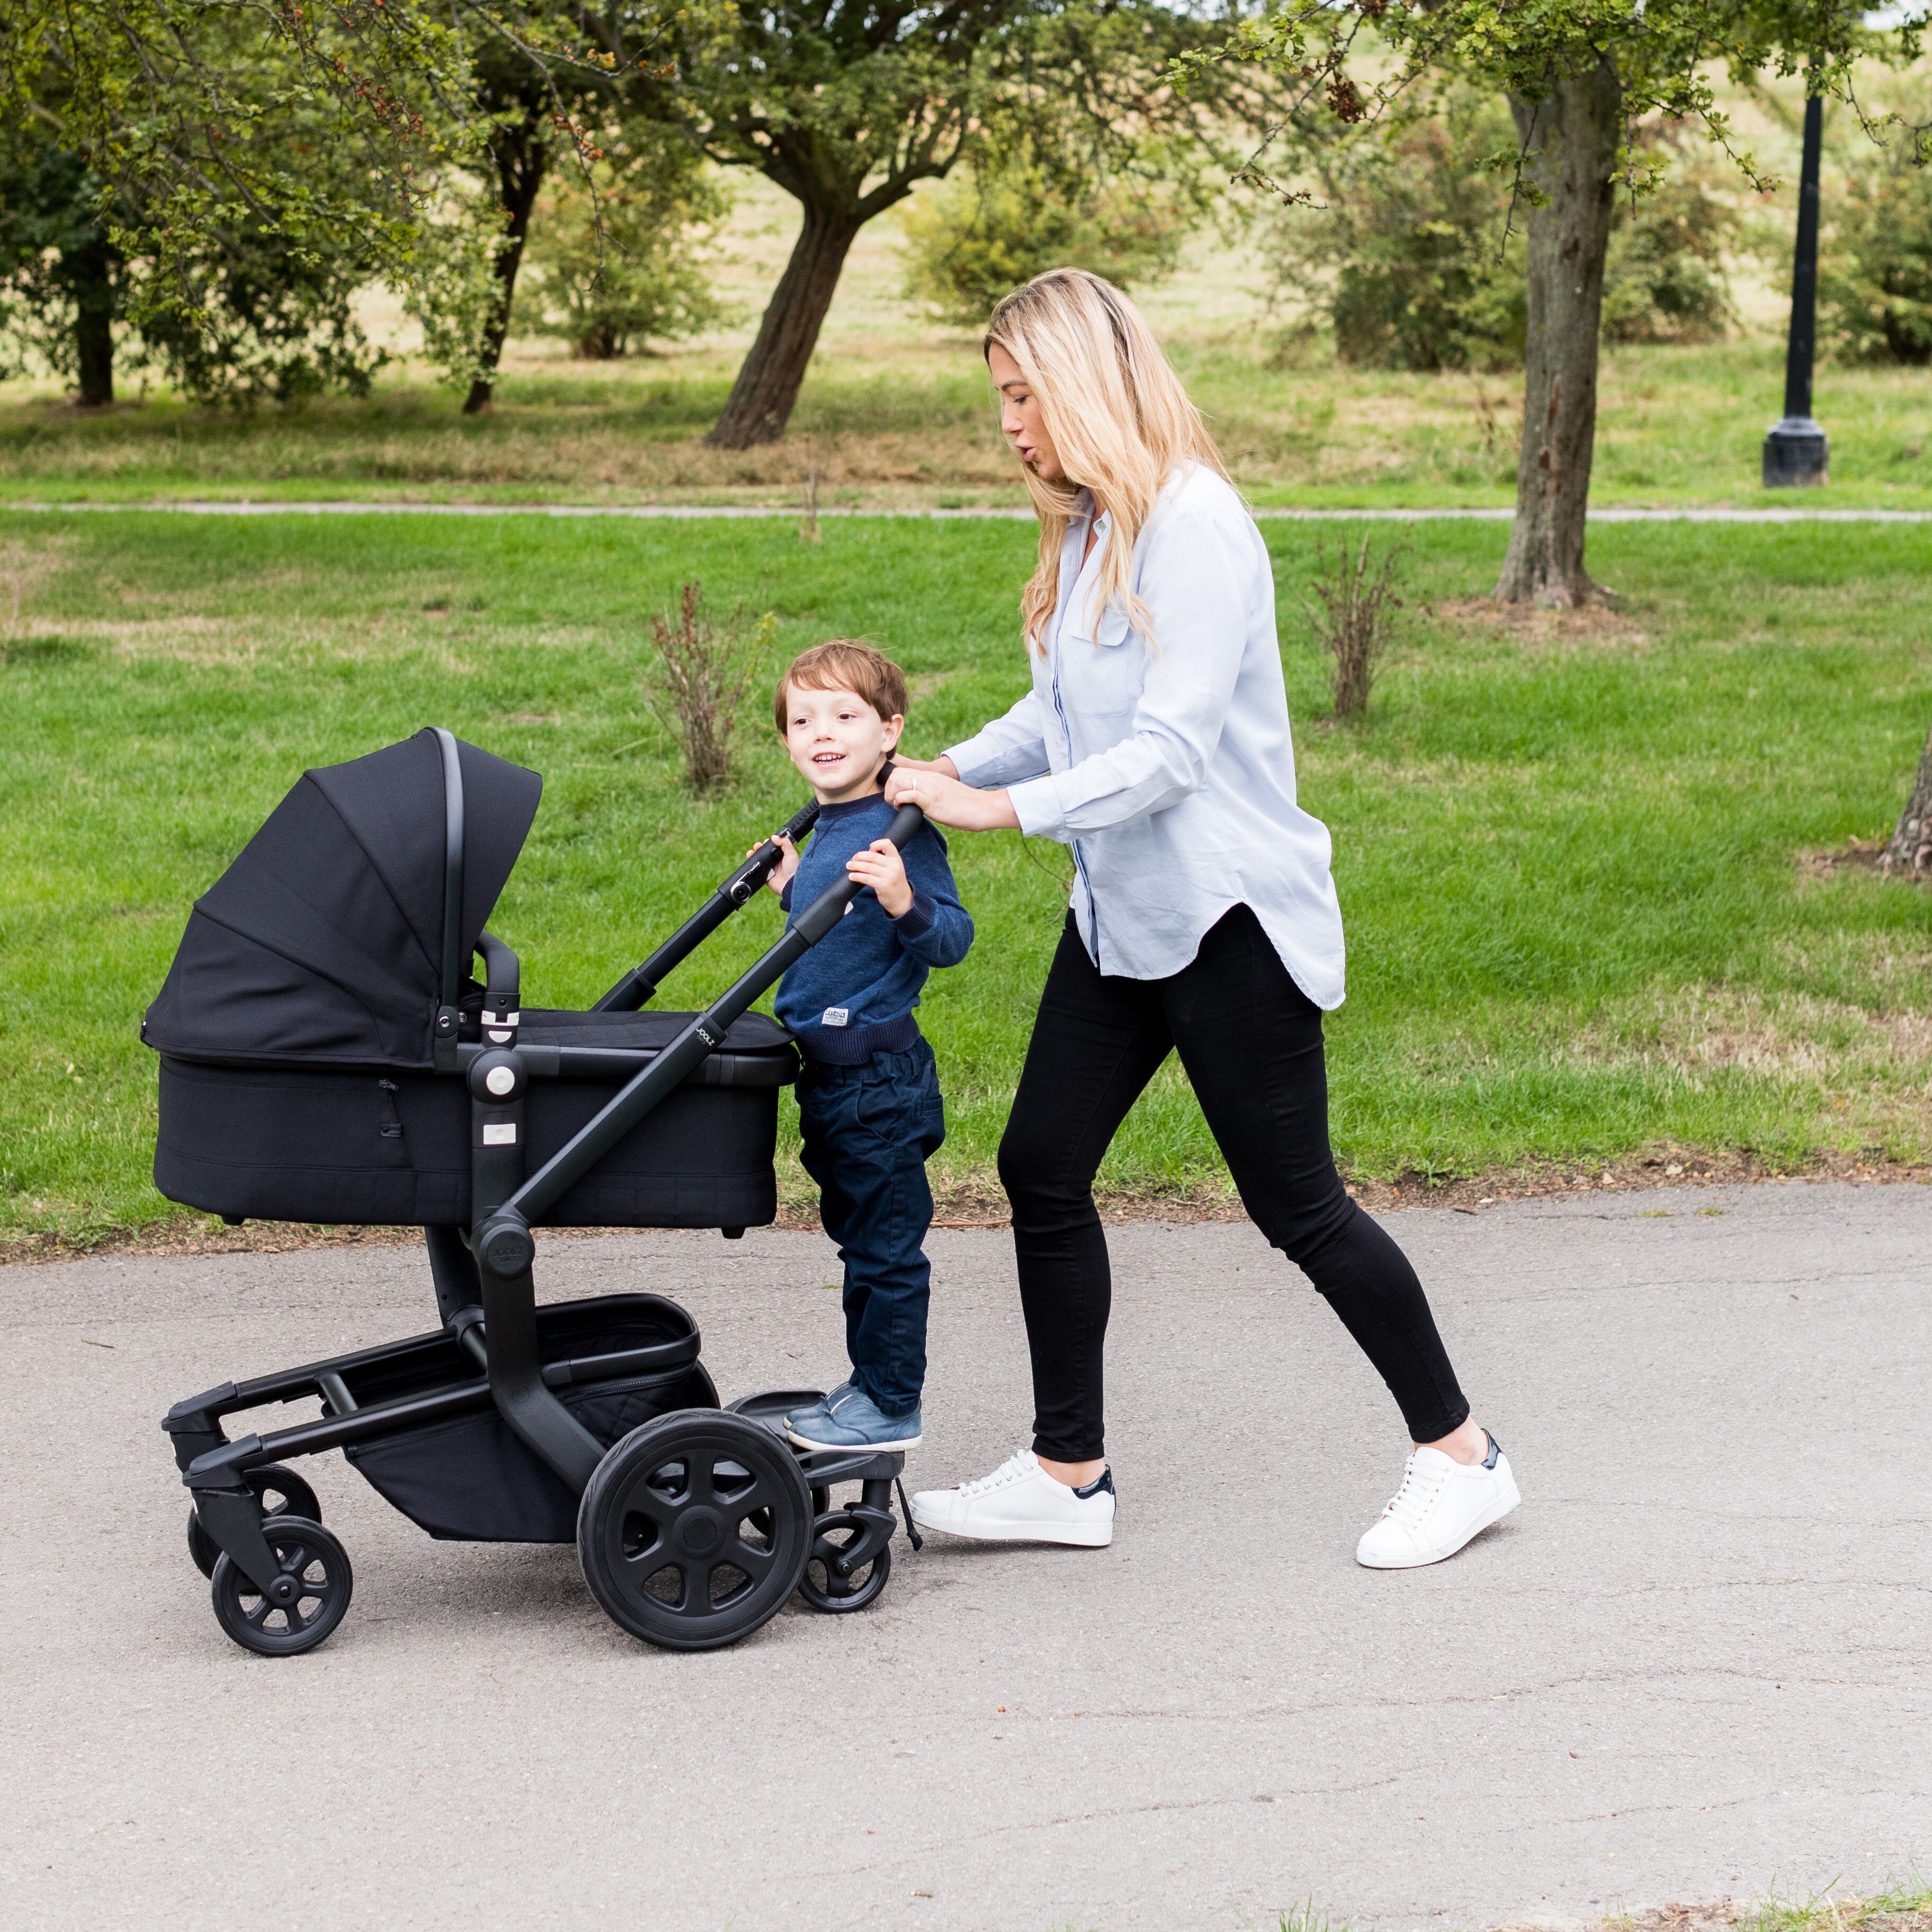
918,918
1036,806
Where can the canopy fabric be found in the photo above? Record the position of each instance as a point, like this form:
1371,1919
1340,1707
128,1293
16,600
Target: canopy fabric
323,941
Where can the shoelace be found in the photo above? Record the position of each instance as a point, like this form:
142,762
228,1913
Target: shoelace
1010,1471
1417,1497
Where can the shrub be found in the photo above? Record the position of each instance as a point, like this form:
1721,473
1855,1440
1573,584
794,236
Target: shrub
701,665
1416,259
624,264
1875,280
1352,613
986,230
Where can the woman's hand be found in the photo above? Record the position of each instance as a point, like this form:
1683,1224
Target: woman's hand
946,801
781,873
880,867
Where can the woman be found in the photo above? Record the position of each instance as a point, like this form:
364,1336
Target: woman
1155,743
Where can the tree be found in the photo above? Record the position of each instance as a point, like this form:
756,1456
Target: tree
1578,73
59,266
620,250
1910,849
848,109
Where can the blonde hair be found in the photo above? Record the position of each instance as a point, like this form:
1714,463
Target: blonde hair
1120,420
843,664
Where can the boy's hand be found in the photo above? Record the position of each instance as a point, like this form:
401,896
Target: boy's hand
880,867
781,873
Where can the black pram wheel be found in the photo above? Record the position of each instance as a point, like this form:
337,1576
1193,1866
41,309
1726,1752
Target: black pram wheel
309,1599
822,1586
281,1492
694,1529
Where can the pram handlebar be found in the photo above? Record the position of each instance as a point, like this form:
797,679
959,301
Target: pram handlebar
704,1034
641,984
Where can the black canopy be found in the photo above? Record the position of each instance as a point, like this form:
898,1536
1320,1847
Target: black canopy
324,941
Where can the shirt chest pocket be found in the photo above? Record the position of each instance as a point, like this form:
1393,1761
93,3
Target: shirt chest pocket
1103,668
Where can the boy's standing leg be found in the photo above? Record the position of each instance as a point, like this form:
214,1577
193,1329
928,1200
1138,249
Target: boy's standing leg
868,1131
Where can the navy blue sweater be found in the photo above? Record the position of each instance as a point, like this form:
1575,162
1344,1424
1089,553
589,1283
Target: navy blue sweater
852,995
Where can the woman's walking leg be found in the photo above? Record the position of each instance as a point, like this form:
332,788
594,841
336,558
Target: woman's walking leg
1251,1041
1096,1044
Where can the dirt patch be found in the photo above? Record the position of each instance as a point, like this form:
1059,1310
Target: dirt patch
1531,626
1661,1168
1856,855
1848,1914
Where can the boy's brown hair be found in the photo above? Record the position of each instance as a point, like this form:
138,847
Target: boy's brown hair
843,664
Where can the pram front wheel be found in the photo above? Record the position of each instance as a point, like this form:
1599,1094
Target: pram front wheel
302,1607
280,1491
694,1529
828,1587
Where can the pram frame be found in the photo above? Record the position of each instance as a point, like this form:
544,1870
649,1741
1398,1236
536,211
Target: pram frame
484,1279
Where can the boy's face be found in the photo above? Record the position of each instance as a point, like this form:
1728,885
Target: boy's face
838,741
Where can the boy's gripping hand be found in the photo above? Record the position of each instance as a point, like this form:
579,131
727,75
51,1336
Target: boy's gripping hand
782,872
880,867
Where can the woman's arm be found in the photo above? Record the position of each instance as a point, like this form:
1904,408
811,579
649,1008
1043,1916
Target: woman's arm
1196,581
1011,747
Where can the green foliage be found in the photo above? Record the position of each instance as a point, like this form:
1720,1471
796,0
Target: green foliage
313,133
621,252
260,318
1416,255
1875,273
1010,216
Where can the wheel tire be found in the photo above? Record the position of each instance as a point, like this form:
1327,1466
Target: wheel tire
306,1552
822,1587
281,1492
679,1508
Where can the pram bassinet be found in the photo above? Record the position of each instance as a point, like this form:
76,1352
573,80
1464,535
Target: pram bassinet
303,1077
325,1057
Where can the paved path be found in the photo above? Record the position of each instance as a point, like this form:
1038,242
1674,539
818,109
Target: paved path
1695,1662
1609,513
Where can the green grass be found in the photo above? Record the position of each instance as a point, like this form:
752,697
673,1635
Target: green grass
890,424
1566,854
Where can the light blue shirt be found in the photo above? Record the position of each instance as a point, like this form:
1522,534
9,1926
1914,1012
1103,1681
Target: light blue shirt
1170,771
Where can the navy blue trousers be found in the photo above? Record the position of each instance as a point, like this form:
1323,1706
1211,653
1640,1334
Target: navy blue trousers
868,1131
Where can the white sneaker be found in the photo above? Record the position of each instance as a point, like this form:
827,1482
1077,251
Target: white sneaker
1019,1502
1441,1505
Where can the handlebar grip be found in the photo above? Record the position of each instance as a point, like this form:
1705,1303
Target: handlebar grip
800,823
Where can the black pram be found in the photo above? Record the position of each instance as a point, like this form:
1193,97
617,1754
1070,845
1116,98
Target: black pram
326,1056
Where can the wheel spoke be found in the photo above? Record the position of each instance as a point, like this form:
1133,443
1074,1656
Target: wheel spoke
697,1597
754,1561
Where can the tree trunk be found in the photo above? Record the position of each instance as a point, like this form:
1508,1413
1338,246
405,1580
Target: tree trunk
91,279
520,157
1571,136
760,402
1910,851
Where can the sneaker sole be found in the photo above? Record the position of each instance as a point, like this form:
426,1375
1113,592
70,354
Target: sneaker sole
1072,1535
1507,1501
892,1447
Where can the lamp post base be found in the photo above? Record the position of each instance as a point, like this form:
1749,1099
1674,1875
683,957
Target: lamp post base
1795,453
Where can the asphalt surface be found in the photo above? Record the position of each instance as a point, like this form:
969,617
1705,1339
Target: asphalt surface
1694,1663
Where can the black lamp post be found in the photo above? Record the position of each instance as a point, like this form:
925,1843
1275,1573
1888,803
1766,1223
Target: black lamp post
1795,450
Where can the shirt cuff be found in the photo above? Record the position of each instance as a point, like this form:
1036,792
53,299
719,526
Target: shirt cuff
1036,806
918,918
970,757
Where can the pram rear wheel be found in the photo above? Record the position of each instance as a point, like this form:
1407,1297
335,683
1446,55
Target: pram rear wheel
281,1492
694,1529
822,1586
308,1600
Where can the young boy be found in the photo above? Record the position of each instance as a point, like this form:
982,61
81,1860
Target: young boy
868,1099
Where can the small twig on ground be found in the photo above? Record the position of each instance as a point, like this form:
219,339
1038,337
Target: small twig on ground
1352,615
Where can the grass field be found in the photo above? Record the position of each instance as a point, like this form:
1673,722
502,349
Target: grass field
1569,851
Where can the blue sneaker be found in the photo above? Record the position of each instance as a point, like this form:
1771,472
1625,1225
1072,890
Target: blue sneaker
849,1419
796,1418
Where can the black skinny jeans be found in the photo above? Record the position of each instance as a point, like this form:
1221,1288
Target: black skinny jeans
1251,1042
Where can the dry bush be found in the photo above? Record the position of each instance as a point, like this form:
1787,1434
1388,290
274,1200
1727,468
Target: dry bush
1353,614
702,665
